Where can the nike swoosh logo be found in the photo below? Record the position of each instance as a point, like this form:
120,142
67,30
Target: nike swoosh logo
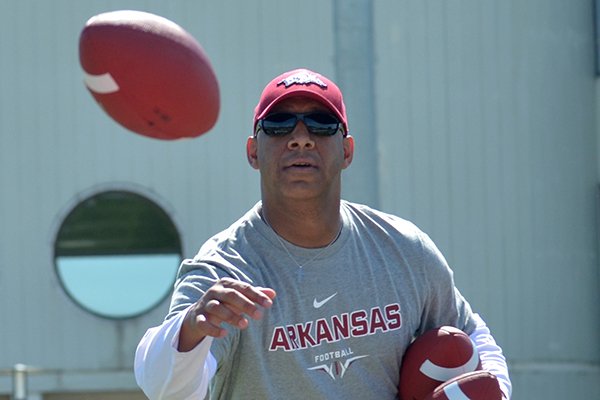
319,304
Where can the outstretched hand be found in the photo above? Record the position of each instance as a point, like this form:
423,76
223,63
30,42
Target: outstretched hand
228,301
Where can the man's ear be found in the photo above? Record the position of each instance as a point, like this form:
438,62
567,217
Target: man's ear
252,151
348,151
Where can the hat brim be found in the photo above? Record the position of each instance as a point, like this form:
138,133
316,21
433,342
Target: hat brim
302,92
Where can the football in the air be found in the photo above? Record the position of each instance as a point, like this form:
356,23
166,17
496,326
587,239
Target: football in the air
477,385
433,358
149,74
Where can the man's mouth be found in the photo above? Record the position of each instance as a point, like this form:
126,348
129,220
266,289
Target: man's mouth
301,165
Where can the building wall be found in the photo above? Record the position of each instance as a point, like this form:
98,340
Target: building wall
481,129
486,120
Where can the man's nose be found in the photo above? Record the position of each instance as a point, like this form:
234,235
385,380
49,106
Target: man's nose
300,138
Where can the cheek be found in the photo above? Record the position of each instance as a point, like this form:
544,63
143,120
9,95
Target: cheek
341,157
266,156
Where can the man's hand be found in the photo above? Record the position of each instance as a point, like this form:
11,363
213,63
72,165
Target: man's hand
228,301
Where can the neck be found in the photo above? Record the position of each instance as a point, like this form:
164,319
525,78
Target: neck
305,225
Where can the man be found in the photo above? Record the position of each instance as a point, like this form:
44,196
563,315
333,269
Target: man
307,295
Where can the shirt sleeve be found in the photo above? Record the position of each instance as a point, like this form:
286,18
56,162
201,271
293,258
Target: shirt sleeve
164,373
490,354
444,304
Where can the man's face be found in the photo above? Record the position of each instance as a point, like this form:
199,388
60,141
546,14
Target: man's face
300,165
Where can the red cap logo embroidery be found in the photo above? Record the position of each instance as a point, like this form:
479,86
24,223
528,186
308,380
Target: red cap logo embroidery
302,78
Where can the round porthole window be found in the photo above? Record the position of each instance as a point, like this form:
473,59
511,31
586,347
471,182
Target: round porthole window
117,253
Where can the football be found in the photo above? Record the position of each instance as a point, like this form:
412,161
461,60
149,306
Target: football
477,385
149,74
433,358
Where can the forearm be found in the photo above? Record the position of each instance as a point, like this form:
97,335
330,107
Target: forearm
165,373
491,356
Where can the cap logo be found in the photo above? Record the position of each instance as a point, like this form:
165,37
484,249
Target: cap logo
302,78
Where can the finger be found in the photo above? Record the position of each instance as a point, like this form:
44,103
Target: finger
260,295
251,294
197,326
269,292
217,312
227,303
207,327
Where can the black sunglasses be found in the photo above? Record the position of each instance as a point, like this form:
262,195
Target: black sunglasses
283,123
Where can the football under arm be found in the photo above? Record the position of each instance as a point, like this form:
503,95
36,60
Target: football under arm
490,354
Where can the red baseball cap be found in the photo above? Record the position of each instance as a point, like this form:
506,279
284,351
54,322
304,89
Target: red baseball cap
302,82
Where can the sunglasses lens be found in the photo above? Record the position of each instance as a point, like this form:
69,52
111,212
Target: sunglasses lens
280,124
322,124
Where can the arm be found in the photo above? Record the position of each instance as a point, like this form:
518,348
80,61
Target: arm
165,373
228,300
173,360
490,354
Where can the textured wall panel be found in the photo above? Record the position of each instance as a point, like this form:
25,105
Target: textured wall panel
487,131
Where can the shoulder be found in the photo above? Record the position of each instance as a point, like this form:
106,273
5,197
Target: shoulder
386,228
374,219
234,236
222,253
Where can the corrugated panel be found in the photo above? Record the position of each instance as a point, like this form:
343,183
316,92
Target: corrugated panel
487,141
486,123
57,146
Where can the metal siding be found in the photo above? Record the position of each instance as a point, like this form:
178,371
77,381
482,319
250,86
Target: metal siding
354,75
487,139
57,146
